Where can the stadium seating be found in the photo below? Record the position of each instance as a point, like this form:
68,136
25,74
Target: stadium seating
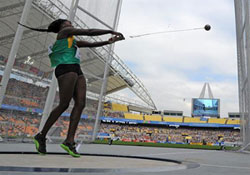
233,122
23,123
29,103
31,130
153,118
119,107
165,134
116,114
133,116
173,119
1,118
193,120
217,120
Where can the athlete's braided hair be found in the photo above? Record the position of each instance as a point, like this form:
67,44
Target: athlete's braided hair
53,27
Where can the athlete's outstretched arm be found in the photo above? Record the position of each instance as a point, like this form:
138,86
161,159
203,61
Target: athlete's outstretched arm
99,44
69,31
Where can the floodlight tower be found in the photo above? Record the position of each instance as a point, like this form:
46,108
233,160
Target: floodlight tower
210,94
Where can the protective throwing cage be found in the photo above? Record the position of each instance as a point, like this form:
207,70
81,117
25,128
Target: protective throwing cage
24,101
243,56
24,95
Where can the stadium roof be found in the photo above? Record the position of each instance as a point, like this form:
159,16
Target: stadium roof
32,56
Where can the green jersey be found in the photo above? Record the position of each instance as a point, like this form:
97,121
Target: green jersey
64,51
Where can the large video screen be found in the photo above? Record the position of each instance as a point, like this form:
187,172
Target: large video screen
205,107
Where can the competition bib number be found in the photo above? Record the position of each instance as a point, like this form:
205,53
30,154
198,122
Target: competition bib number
50,49
78,53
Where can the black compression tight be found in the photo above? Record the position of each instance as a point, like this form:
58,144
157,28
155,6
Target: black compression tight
70,85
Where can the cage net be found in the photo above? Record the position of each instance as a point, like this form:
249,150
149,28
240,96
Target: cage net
28,86
243,40
103,10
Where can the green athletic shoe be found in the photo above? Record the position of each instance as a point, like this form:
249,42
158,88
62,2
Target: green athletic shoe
40,143
70,148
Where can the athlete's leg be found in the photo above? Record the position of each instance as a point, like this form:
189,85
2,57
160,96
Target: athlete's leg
80,101
66,83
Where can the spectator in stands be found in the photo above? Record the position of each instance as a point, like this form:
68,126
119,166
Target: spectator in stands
175,135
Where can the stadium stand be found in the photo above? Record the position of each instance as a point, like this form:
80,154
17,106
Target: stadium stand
119,107
153,118
18,124
193,120
173,119
169,134
26,124
233,122
114,114
217,120
29,103
133,116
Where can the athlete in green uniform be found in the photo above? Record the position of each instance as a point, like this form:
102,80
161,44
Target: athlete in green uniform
65,57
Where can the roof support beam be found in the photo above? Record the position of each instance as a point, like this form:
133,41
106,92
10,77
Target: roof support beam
93,79
35,54
12,9
7,39
117,89
88,61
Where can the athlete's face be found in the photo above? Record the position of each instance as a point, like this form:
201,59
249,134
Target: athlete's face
67,24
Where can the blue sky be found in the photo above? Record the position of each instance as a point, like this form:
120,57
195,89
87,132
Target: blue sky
174,66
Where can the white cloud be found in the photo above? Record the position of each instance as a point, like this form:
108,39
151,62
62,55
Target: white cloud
167,64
